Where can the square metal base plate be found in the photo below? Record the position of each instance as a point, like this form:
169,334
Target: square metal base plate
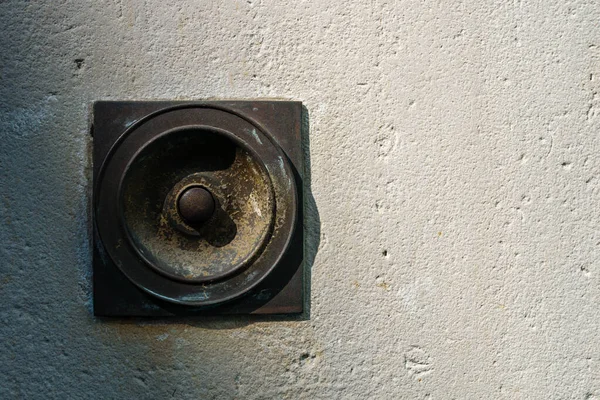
280,293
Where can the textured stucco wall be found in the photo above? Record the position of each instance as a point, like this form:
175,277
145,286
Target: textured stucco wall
455,161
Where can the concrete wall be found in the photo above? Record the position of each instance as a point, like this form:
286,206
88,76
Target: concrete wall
454,150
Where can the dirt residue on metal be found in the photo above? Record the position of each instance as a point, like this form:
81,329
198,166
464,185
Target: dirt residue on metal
231,239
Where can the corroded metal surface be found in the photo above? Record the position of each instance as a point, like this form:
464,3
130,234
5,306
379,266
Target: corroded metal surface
255,190
238,230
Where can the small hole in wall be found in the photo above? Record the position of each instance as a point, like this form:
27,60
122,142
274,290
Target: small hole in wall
79,63
384,253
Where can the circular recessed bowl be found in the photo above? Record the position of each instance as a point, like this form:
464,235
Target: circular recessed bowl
177,163
160,159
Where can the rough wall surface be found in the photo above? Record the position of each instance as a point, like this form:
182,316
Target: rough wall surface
454,163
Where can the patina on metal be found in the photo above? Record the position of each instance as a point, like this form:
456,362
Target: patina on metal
191,160
197,204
